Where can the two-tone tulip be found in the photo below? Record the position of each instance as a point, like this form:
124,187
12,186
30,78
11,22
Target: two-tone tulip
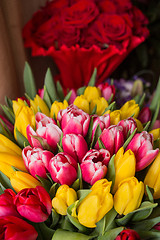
103,121
129,125
96,204
37,104
56,107
130,108
142,147
82,103
125,166
64,197
7,146
128,196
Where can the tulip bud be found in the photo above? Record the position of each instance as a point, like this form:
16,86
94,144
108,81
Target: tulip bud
92,93
145,115
96,204
115,117
73,96
56,107
101,104
63,168
13,160
37,104
107,90
137,88
129,109
7,146
152,178
129,195
155,133
125,165
142,147
129,125
103,121
17,106
128,234
75,146
65,196
82,103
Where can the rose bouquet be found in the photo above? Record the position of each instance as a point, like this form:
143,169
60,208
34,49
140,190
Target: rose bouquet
76,167
83,34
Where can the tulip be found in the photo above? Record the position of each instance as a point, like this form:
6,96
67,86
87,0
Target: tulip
155,133
142,146
73,96
152,177
63,168
107,90
145,115
157,226
37,104
115,117
34,204
94,165
128,234
82,103
36,161
7,207
125,166
129,195
156,124
15,228
96,204
129,125
17,105
74,120
47,130
56,106
101,104
129,109
75,146
41,92
65,196
6,169
103,121
8,146
92,93
112,138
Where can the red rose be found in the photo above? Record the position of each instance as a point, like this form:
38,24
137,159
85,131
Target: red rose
128,234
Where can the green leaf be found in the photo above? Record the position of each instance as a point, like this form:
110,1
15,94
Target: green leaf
129,139
110,107
141,102
53,190
156,98
1,189
78,184
65,224
60,91
150,192
46,184
9,102
154,235
89,134
110,99
4,180
60,149
61,234
55,218
111,234
44,232
155,116
101,145
9,113
50,86
92,80
29,83
97,134
147,126
46,97
21,140
80,91
111,171
94,110
5,131
43,143
67,97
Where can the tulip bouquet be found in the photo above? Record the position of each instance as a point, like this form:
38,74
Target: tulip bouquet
77,167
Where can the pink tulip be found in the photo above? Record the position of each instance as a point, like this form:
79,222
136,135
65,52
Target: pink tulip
36,161
14,228
145,115
63,168
112,138
94,165
103,121
107,90
34,204
7,207
142,146
73,96
41,92
75,146
46,129
74,120
128,125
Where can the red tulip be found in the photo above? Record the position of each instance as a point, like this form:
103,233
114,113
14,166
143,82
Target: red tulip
145,115
128,234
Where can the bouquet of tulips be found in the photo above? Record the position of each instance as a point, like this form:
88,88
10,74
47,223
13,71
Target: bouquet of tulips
75,167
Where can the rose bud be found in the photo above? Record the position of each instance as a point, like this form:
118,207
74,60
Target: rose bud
56,107
34,204
107,90
96,204
47,130
112,138
36,161
94,165
103,121
74,120
7,207
128,125
15,228
75,146
129,109
145,115
142,147
63,168
128,234
65,196
129,195
125,166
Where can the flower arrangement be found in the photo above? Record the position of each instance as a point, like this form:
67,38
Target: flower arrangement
82,35
76,167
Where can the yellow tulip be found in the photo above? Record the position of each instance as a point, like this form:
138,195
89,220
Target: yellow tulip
101,103
65,196
125,166
13,160
96,204
152,178
23,119
92,93
17,106
129,195
56,106
115,117
82,103
6,169
8,146
156,133
37,104
139,125
129,108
